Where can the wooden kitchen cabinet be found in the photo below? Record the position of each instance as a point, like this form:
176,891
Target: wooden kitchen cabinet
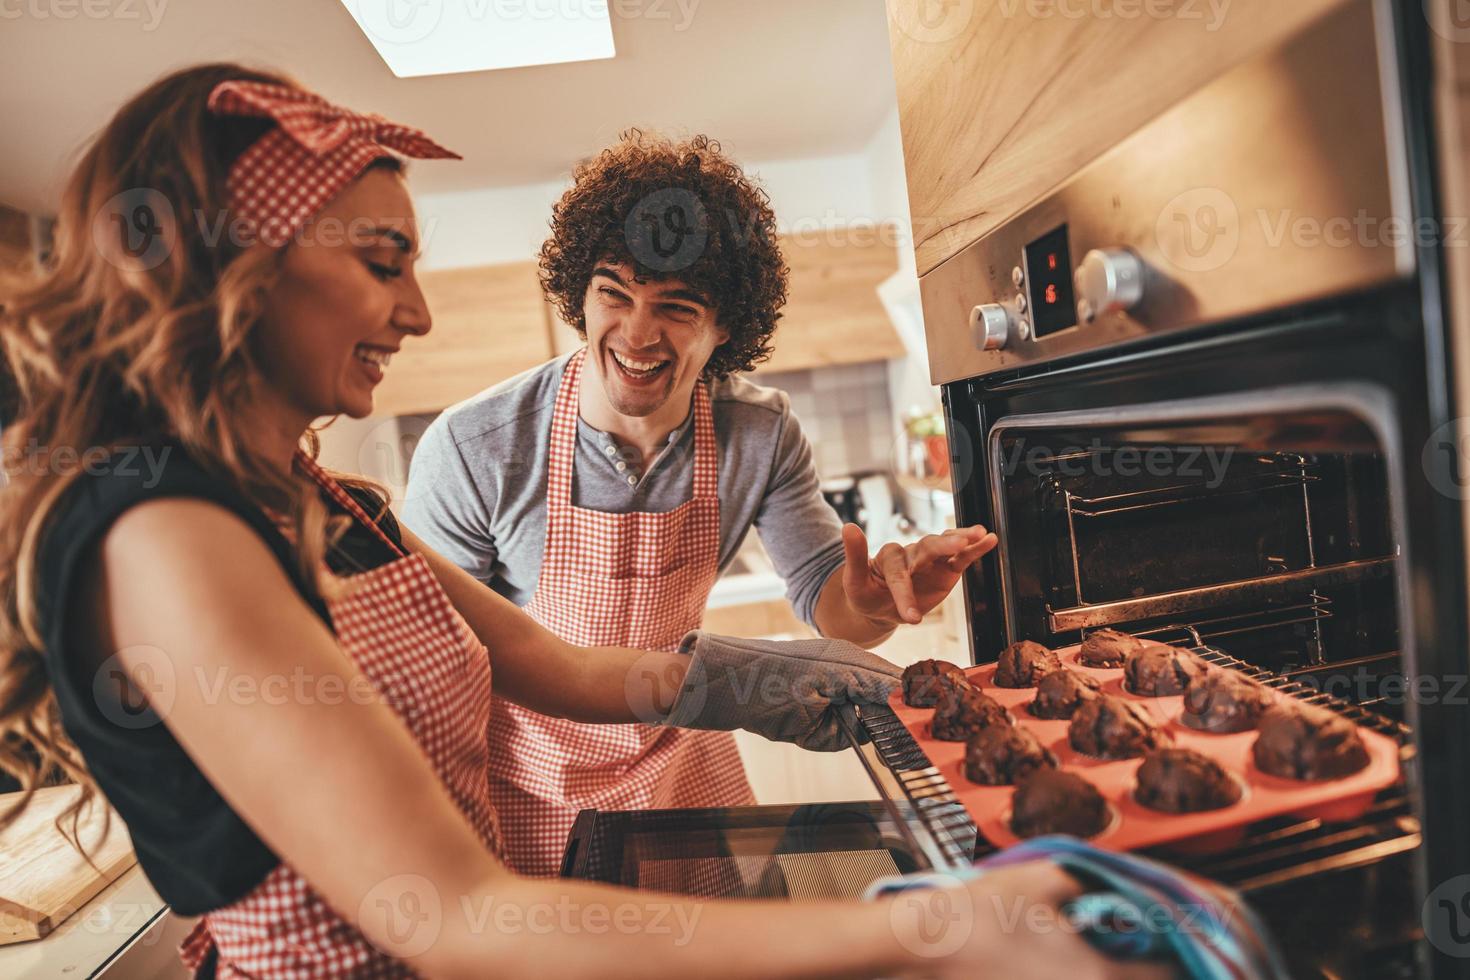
833,314
490,324
999,102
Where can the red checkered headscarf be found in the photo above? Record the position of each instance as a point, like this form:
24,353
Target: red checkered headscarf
315,150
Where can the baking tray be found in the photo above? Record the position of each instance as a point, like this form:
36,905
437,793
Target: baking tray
1134,825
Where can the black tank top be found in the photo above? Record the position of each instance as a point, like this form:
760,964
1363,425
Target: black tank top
197,852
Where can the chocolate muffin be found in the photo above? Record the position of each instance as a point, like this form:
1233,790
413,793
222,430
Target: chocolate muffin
963,710
1053,801
1222,701
1060,692
1107,648
1159,670
1002,755
1023,664
1184,781
1302,742
921,681
1107,727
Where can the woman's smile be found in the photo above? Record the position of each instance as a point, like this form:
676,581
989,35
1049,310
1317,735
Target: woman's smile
373,360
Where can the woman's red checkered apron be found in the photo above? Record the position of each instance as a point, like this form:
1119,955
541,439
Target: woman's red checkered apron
629,580
400,629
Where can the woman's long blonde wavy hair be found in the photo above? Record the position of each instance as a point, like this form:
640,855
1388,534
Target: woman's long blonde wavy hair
102,351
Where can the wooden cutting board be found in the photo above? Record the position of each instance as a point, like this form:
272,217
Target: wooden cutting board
43,879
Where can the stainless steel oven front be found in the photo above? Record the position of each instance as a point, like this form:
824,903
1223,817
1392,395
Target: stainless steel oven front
1196,389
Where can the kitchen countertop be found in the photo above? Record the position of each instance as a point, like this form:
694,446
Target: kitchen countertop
125,931
929,639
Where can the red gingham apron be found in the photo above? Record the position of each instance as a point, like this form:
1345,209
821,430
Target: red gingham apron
630,580
399,628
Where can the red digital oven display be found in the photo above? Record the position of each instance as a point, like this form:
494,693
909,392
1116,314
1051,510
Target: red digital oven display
1049,283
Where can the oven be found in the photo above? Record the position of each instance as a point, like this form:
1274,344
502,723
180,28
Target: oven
1201,391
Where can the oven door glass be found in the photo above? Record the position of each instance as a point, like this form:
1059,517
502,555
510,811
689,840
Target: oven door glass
819,850
1261,523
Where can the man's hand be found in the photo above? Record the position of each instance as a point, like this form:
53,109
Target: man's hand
900,584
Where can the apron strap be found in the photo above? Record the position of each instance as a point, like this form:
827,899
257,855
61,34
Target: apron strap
706,455
334,490
563,441
199,953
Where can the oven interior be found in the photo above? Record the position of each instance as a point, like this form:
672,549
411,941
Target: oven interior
1265,534
1269,536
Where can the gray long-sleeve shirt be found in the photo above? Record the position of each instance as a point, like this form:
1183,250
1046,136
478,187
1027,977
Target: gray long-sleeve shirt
477,483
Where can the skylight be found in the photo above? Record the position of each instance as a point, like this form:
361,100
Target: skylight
442,37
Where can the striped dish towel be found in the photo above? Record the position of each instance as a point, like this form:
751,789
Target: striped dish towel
1135,908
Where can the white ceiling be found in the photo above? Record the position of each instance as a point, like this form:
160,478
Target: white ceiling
772,79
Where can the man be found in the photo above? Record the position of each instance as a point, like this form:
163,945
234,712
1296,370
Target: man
605,491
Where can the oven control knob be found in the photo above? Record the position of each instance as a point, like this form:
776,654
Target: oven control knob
990,326
1108,280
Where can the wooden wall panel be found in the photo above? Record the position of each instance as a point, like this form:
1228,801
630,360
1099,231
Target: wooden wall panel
833,314
489,324
1001,100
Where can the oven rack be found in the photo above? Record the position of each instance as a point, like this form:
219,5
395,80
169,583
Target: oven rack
1311,611
1294,478
1274,851
1261,589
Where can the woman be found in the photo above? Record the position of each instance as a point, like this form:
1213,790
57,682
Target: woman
283,692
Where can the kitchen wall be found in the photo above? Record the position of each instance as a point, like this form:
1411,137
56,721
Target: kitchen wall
509,224
909,378
845,412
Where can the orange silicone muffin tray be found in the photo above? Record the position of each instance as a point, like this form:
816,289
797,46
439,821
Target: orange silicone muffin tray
1134,825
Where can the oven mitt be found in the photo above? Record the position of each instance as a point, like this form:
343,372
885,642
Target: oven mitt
786,690
1140,909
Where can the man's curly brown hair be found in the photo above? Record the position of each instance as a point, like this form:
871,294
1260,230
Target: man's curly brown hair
672,210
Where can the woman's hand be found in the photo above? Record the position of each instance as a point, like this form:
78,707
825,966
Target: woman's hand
1008,923
903,582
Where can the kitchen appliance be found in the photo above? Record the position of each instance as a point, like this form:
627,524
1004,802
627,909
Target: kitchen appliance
820,850
1196,389
1202,391
864,499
